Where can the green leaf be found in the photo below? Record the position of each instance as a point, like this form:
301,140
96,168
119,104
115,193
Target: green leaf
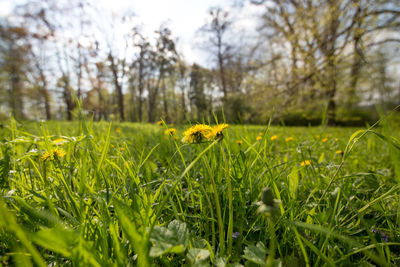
198,257
4,170
56,239
293,179
173,239
256,254
136,239
321,158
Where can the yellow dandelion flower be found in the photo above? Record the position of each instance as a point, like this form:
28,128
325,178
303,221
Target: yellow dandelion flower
258,137
45,156
317,136
122,149
239,142
59,141
306,162
170,131
118,130
288,139
339,151
59,153
336,139
195,134
160,123
216,131
274,137
324,140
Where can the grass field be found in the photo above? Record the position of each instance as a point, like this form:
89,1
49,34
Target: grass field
101,194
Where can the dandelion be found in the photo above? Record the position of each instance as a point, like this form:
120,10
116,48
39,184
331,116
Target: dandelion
274,137
160,123
324,140
258,137
216,131
122,149
59,141
305,163
239,142
339,151
195,134
58,153
336,139
45,156
170,132
288,139
118,130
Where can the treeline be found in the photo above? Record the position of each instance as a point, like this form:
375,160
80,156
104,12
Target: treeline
307,60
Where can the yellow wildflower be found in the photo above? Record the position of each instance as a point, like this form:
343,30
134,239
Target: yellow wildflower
216,131
118,130
339,151
195,134
336,139
239,142
258,137
160,123
306,162
289,139
59,141
170,131
122,149
274,137
45,156
317,136
59,153
324,140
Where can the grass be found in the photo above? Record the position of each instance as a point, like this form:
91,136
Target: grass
127,194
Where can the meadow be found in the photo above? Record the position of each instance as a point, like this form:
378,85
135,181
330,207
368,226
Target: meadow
123,194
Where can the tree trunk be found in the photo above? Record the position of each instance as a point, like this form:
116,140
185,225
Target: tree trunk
46,97
16,102
140,87
165,102
183,104
67,97
118,88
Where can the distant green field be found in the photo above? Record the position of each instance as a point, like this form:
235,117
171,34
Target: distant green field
101,194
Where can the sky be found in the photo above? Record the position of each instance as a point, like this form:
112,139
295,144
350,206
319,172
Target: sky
184,17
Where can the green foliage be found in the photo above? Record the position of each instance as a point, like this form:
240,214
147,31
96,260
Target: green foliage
173,239
128,194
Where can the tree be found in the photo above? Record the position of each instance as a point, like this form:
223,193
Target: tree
14,51
197,88
316,36
163,59
217,30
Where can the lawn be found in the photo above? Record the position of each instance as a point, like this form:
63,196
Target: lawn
115,194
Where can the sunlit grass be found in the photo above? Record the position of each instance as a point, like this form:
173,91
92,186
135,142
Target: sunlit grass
121,194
